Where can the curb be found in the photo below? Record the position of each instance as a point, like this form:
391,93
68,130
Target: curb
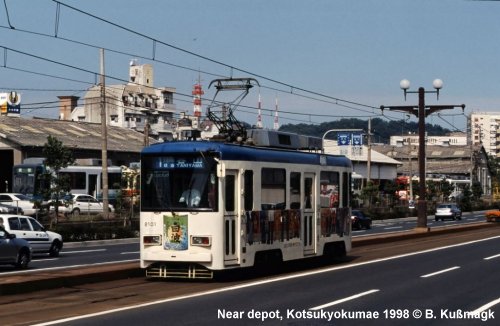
25,283
418,233
45,280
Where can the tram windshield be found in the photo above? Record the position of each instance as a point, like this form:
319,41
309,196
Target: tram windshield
171,183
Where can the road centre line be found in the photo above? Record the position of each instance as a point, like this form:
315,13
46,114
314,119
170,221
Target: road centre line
80,251
440,272
258,283
491,257
393,227
352,297
486,306
129,252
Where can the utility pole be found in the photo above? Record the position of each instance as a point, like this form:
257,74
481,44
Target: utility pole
104,133
369,154
421,111
410,167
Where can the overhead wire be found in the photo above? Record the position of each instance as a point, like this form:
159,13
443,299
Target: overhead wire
231,67
126,81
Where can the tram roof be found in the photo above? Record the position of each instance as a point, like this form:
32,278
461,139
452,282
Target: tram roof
233,152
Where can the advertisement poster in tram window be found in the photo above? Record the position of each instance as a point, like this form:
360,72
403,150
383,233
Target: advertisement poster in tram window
175,232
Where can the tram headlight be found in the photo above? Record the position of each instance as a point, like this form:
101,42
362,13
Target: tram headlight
204,241
152,240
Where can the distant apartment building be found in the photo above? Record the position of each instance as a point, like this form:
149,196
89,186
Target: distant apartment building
453,139
133,105
484,130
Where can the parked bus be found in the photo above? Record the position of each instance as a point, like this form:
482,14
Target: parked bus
28,179
88,180
213,206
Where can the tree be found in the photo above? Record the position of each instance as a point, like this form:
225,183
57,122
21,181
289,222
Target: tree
369,192
477,191
466,200
391,190
446,189
56,158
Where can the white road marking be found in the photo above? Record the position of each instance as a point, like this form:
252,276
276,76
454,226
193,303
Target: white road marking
81,251
486,306
352,297
441,271
26,271
491,257
393,227
258,283
129,252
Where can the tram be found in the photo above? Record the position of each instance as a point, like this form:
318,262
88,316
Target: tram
209,206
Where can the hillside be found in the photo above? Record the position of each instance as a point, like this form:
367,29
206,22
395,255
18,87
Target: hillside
381,129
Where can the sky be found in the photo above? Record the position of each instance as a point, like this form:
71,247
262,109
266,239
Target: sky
321,60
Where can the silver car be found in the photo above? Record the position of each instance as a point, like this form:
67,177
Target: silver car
451,211
14,251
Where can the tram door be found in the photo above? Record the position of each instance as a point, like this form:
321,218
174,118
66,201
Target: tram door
231,223
308,221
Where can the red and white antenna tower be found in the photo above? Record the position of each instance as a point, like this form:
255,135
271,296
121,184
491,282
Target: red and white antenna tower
197,93
276,125
259,116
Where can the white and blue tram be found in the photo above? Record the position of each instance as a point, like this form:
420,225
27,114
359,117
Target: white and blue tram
212,206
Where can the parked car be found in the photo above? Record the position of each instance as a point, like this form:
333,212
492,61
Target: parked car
14,251
9,209
21,201
26,227
81,204
360,220
451,211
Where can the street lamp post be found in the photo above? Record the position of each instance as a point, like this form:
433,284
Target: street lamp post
421,111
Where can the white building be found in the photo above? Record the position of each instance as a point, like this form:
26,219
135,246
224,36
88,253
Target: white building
484,130
132,105
453,139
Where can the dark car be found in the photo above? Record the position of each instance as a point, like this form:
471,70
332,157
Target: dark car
451,211
10,209
14,251
360,220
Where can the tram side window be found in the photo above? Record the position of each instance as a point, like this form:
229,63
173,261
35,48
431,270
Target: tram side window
295,190
308,193
248,200
230,183
329,192
346,188
273,185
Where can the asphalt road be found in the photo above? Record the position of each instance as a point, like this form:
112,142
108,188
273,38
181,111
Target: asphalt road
383,277
433,287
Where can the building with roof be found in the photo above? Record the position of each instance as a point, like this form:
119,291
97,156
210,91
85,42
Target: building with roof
458,165
484,130
452,139
382,167
22,138
136,105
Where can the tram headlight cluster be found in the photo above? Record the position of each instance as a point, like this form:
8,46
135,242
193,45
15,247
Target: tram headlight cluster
204,241
152,240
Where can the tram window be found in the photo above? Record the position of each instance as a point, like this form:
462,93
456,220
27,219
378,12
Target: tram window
308,193
273,188
295,190
346,188
329,192
230,193
248,200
